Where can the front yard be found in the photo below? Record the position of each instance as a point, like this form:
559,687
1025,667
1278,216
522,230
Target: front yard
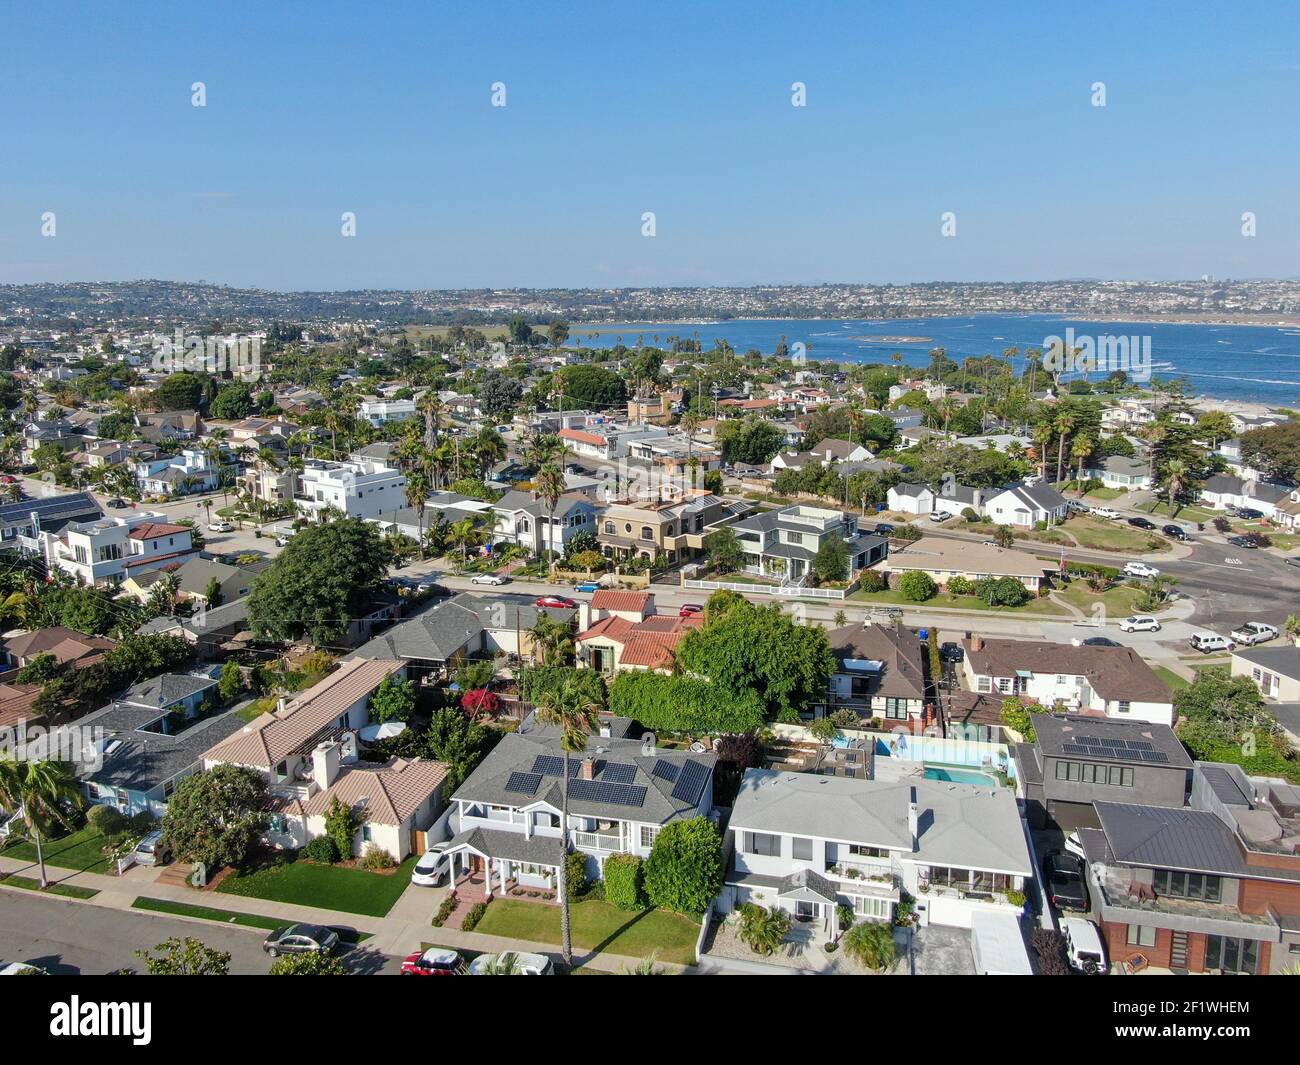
1120,600
81,850
283,878
893,597
598,926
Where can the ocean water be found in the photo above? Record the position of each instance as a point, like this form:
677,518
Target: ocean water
1259,364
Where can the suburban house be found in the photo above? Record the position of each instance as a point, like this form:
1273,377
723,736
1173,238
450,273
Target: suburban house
527,520
68,646
782,543
506,817
267,484
1026,505
617,642
1075,762
879,673
108,550
354,489
651,410
23,521
190,471
1212,887
194,576
1275,670
956,499
1222,490
674,455
306,750
212,631
908,498
380,411
944,559
675,527
1119,471
810,843
604,440
1079,678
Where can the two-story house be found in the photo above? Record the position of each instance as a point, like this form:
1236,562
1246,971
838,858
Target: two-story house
527,520
783,543
675,525
354,489
106,550
809,843
622,792
1078,678
879,673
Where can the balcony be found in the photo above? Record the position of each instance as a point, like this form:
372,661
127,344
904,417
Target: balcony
603,842
857,874
1122,904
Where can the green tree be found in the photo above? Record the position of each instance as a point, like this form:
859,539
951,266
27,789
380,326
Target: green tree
315,963
871,943
749,440
215,817
684,870
179,391
724,551
45,791
341,825
831,563
185,957
393,700
231,682
233,402
917,586
762,929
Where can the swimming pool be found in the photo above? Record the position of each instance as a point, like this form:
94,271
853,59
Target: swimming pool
954,775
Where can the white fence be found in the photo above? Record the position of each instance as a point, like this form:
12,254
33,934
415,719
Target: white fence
793,591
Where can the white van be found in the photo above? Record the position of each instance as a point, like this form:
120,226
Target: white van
1205,642
1083,946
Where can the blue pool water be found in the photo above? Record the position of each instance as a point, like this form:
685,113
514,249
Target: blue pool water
961,776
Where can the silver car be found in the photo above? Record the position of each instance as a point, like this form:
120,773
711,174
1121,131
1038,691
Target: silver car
151,851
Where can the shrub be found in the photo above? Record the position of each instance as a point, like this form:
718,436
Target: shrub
870,943
341,825
845,718
1001,591
960,585
763,930
682,704
970,514
684,870
1050,948
377,858
916,586
1222,524
444,911
576,874
322,849
106,820
473,917
822,729
623,882
142,824
307,965
907,533
871,581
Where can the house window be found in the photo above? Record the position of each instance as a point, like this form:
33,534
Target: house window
983,684
859,850
1232,955
1199,887
609,528
649,833
896,709
1124,706
803,848
366,834
762,843
647,533
871,907
1139,936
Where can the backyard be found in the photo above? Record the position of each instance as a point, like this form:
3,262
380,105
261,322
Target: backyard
283,878
597,926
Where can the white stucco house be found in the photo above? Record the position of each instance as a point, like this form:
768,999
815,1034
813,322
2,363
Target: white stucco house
1026,505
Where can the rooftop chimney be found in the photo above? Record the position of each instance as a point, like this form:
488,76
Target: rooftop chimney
977,643
325,761
587,769
913,820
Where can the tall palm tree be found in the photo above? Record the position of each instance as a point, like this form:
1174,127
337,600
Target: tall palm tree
1081,448
430,407
550,486
568,709
489,448
552,639
1176,475
43,790
1042,437
417,491
1066,420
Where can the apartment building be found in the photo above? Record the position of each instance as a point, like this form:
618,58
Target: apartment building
356,489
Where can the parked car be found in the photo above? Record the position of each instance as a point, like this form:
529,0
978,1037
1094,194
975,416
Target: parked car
1075,507
1065,884
20,968
1175,532
884,529
1140,569
951,652
221,526
689,609
939,515
1084,947
1140,623
1249,513
1105,512
1205,642
488,578
433,962
301,939
116,503
432,868
562,602
1248,542
514,963
428,584
151,851
283,540
1101,641
587,586
1294,560
1253,632
1142,523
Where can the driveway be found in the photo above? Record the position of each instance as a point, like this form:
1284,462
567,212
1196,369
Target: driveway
940,951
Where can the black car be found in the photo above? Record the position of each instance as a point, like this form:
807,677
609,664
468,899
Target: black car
1067,886
1141,523
116,504
301,939
1243,541
1175,532
1248,514
1101,641
952,652
884,529
1065,883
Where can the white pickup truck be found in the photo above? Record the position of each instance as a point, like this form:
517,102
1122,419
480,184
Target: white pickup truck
1253,632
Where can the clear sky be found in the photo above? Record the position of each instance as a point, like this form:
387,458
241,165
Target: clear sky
615,109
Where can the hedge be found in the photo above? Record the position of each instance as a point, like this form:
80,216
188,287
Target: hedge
536,682
623,886
683,704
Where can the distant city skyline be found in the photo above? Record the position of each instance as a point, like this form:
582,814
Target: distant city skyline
982,115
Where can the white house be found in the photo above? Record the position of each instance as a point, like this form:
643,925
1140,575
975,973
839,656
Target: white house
1119,471
808,844
911,498
1024,505
363,489
1081,678
107,550
959,498
379,411
190,471
525,519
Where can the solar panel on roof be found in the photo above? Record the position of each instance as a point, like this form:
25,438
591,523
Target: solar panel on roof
550,765
618,772
524,783
690,782
1154,756
666,770
1087,741
1140,745
603,791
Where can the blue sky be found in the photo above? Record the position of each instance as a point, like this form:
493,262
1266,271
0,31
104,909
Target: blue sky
616,109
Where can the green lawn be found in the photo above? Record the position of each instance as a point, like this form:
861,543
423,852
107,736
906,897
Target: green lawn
1175,682
1184,513
247,920
893,597
1120,601
1105,495
28,883
80,850
597,926
1099,535
331,887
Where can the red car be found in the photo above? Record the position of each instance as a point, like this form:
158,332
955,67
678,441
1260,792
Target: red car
560,601
433,962
690,608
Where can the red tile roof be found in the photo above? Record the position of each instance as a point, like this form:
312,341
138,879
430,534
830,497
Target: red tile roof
151,530
586,438
613,599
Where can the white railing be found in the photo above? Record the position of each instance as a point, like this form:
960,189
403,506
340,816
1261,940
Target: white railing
597,841
861,869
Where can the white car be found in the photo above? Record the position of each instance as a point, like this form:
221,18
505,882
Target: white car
19,968
1083,946
1254,632
1105,512
1140,569
283,541
221,526
514,963
488,578
432,868
1074,845
1140,623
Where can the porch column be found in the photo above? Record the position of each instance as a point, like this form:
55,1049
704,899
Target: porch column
505,870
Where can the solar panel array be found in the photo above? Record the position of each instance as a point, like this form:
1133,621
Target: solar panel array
605,791
524,783
618,772
666,770
552,765
690,782
1116,749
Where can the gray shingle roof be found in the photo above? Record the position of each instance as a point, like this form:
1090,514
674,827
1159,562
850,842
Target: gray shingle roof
1284,661
1165,837
1054,731
166,690
144,760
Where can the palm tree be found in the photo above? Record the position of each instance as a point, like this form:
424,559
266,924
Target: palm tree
763,930
871,943
489,448
1065,423
430,407
1042,437
567,707
550,486
42,790
552,638
1175,480
417,491
1081,448
467,534
645,967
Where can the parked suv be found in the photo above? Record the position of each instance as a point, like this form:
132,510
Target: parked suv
150,850
1175,532
1205,642
1253,632
1140,569
1140,623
